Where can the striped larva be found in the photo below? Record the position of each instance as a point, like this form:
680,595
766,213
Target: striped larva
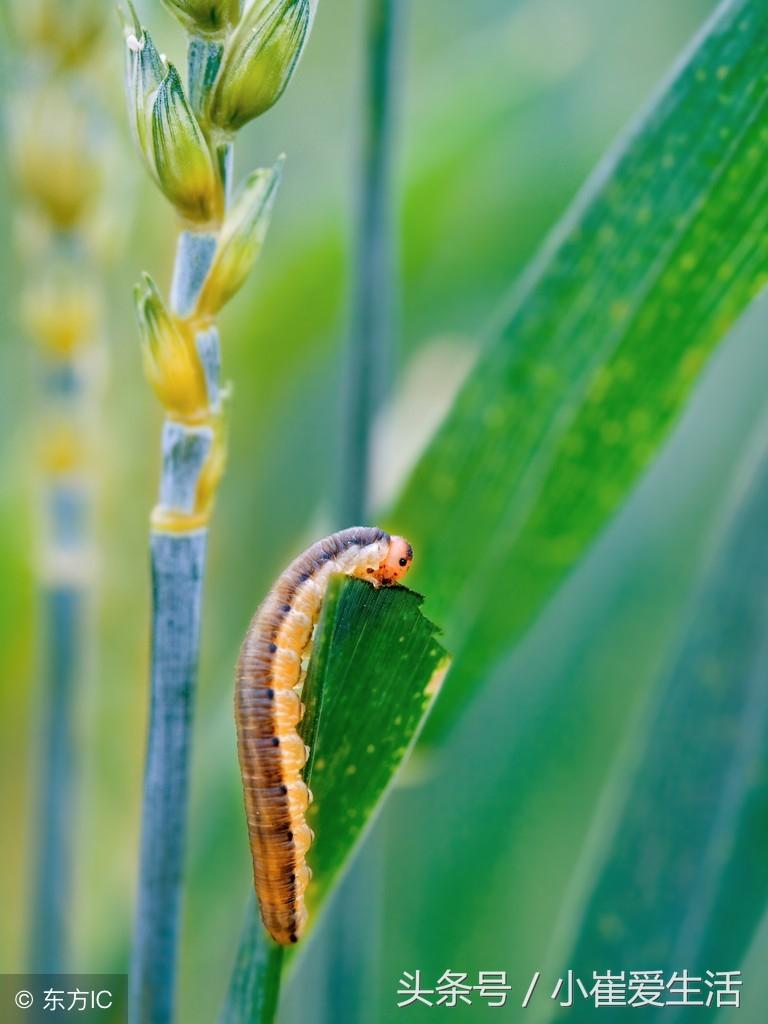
270,674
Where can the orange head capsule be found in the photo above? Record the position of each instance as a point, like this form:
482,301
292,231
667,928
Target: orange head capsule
396,562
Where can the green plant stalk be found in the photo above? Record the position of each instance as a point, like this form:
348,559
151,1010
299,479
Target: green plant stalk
374,295
60,319
63,602
178,570
64,582
189,152
178,564
254,990
351,953
52,886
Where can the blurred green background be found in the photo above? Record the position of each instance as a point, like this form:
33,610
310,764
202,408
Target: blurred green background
480,858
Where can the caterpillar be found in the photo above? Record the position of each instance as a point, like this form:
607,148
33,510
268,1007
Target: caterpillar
270,674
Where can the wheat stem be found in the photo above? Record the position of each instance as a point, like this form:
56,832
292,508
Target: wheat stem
178,571
239,61
370,351
351,951
57,167
64,595
52,887
254,990
178,565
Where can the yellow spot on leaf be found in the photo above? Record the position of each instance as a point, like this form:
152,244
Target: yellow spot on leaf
619,311
610,927
436,679
606,235
574,444
494,417
624,369
611,432
639,421
545,375
600,385
692,362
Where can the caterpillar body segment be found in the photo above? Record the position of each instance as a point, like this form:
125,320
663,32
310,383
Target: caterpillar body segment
268,708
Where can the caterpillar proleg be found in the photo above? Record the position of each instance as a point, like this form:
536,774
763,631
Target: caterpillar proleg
270,674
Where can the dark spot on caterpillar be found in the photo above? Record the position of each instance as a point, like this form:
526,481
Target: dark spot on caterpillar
289,836
270,693
294,937
403,561
303,577
369,571
292,877
284,790
275,741
286,608
272,648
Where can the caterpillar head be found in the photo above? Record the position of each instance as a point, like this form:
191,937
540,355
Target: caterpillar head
396,562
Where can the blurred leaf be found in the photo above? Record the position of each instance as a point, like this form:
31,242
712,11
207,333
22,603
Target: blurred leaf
755,991
375,667
608,334
685,882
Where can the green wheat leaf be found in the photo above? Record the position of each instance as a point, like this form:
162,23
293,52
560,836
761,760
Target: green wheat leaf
376,668
608,334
